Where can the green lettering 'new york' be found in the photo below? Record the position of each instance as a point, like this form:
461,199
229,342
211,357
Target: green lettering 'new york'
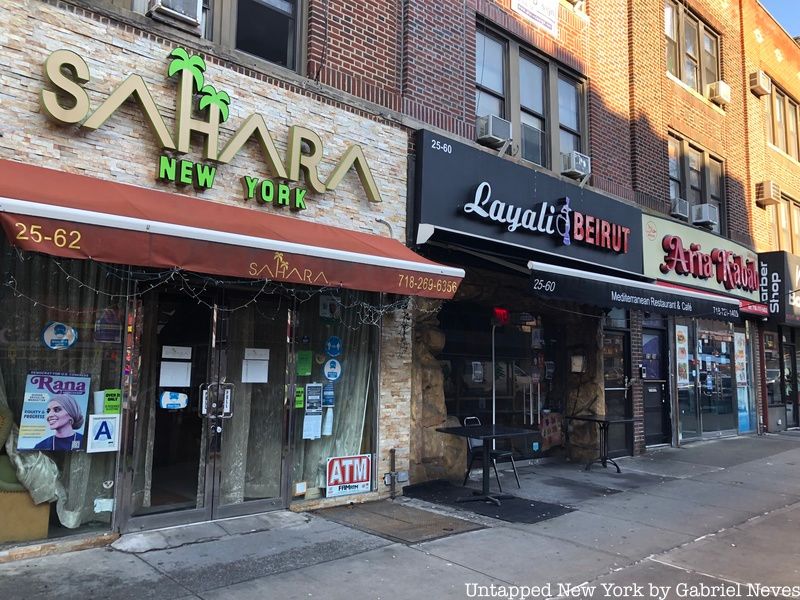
186,172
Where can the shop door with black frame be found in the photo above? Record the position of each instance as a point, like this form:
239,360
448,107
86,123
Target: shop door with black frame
790,383
208,427
657,422
616,375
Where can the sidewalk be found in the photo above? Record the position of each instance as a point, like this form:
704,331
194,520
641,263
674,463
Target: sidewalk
721,514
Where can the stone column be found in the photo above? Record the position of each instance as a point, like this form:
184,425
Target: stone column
433,455
585,394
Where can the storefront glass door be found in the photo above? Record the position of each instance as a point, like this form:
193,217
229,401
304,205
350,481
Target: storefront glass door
207,426
616,375
657,424
790,380
686,363
716,378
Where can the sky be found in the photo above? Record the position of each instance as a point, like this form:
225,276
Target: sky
787,13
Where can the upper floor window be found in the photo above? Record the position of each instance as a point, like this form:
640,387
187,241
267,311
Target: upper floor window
490,79
692,47
697,177
267,29
532,86
569,114
782,118
543,102
786,225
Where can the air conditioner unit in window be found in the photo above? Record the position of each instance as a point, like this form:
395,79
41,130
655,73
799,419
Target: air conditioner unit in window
768,192
576,165
492,131
188,11
760,83
679,208
705,214
719,92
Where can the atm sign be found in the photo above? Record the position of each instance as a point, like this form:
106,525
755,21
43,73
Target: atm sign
349,475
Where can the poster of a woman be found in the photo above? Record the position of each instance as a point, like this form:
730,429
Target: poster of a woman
54,411
65,419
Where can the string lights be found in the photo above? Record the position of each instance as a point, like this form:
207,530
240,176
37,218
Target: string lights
136,283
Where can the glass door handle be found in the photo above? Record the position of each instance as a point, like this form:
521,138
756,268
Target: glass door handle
203,399
227,390
209,400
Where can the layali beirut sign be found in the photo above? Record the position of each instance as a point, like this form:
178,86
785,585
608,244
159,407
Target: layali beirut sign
69,103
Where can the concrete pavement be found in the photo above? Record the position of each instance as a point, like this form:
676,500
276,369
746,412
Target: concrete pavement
713,519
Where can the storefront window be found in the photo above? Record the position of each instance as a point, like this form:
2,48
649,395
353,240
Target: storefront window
714,378
616,318
342,422
790,380
61,352
745,383
653,321
686,376
772,366
517,391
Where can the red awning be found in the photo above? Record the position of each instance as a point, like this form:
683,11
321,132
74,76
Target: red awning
75,216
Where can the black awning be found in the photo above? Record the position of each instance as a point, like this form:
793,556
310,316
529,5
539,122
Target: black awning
585,287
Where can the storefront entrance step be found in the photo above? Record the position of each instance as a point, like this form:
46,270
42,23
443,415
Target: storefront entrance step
207,531
172,537
397,522
57,546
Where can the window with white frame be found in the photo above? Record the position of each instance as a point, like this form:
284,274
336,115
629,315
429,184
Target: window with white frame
782,120
692,47
542,100
697,177
786,224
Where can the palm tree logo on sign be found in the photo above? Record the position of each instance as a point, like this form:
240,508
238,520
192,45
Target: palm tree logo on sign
191,68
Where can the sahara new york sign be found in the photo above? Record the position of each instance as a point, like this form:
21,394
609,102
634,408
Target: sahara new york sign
200,109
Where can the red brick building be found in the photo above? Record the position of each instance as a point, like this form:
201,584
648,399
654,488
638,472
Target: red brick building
772,88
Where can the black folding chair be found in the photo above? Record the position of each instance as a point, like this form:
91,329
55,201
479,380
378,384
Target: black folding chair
475,450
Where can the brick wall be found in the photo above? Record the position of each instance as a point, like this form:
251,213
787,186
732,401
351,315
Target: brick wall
659,103
356,47
768,48
609,97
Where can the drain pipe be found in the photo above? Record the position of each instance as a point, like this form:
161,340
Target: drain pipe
393,477
393,467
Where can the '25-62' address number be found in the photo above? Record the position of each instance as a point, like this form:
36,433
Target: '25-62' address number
61,238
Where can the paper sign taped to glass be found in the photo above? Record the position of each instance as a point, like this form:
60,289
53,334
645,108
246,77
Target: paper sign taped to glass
59,336
312,420
328,395
551,430
173,400
103,433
